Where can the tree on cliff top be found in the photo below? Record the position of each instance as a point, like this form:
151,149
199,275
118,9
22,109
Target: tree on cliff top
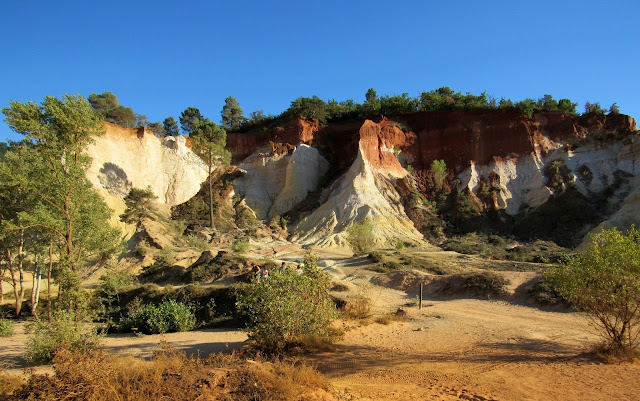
189,119
232,117
209,140
109,108
170,127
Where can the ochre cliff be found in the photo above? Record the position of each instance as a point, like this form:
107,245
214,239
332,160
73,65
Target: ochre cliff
502,149
124,158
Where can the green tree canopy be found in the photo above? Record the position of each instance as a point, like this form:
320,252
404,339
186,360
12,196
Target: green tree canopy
109,108
604,281
170,127
55,164
232,114
189,120
209,140
289,309
157,128
139,205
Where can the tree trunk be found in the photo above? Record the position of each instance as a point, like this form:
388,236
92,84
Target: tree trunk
49,280
14,281
21,271
210,193
33,282
2,285
36,290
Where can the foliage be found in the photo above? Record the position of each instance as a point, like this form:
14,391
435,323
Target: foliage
190,119
51,167
567,106
6,327
614,109
557,174
168,375
439,170
157,128
209,140
232,117
139,205
169,316
240,246
480,284
604,281
289,309
360,237
170,127
109,108
62,331
593,108
312,108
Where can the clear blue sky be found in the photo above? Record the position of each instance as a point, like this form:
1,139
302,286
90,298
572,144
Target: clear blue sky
161,57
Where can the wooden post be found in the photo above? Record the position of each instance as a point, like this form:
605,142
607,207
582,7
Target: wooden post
420,301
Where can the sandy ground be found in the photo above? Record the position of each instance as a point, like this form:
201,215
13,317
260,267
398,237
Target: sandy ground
451,349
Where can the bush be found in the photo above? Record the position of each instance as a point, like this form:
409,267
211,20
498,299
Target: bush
288,309
6,327
170,315
240,246
360,237
604,281
62,332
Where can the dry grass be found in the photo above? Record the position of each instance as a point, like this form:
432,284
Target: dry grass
170,375
397,316
358,306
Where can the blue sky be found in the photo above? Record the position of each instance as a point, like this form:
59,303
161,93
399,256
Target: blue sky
161,57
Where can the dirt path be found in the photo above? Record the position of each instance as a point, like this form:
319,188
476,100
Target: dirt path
450,350
475,350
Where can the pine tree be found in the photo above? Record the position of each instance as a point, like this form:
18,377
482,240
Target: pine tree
232,117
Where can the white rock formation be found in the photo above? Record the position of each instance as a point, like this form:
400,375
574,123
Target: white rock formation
362,192
125,158
274,184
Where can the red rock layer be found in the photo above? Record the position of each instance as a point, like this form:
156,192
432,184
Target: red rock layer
458,137
378,139
295,132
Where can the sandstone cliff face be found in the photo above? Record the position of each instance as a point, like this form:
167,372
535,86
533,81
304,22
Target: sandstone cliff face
295,132
124,158
275,182
366,190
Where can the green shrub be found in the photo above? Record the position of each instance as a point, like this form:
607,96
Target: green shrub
6,327
240,246
289,310
197,242
604,281
360,237
170,315
63,331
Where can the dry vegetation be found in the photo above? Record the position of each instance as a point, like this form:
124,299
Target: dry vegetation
169,375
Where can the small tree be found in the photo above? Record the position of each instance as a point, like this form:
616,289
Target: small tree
360,237
604,281
439,170
189,119
209,140
170,127
289,309
139,205
232,117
